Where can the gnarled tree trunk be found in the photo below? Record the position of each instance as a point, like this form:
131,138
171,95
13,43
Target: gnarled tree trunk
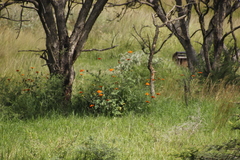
63,49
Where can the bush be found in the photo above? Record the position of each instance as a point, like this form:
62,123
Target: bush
30,95
116,91
228,151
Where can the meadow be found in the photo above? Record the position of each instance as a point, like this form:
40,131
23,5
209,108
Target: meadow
130,124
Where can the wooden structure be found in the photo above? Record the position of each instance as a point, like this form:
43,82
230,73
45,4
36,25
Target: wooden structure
180,58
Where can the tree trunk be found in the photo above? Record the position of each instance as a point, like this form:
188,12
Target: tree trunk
152,73
62,50
180,27
219,14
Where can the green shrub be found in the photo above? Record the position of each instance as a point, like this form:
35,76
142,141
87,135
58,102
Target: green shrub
116,91
228,151
30,95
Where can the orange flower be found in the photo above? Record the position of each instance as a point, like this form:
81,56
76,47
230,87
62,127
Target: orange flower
158,93
8,79
107,99
81,70
17,70
32,67
22,74
99,91
162,79
200,72
147,84
81,92
130,51
193,75
111,69
147,101
100,95
116,88
91,105
153,96
146,94
100,86
99,58
37,72
128,59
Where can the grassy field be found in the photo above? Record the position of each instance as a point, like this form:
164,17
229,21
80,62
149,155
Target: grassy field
167,128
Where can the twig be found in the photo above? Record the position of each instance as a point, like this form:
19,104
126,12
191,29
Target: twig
94,49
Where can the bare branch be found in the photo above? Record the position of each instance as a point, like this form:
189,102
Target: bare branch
94,49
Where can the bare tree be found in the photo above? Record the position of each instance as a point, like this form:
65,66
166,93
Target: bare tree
214,35
180,27
150,47
62,49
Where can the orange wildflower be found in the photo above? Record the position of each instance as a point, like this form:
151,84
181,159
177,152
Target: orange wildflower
153,96
193,75
17,70
116,88
22,74
81,92
37,72
158,93
8,79
130,51
107,99
111,69
162,79
200,72
146,94
147,84
99,91
100,95
91,105
81,70
32,67
128,59
100,86
147,101
99,58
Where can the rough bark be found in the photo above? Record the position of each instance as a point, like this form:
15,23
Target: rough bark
179,28
62,49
